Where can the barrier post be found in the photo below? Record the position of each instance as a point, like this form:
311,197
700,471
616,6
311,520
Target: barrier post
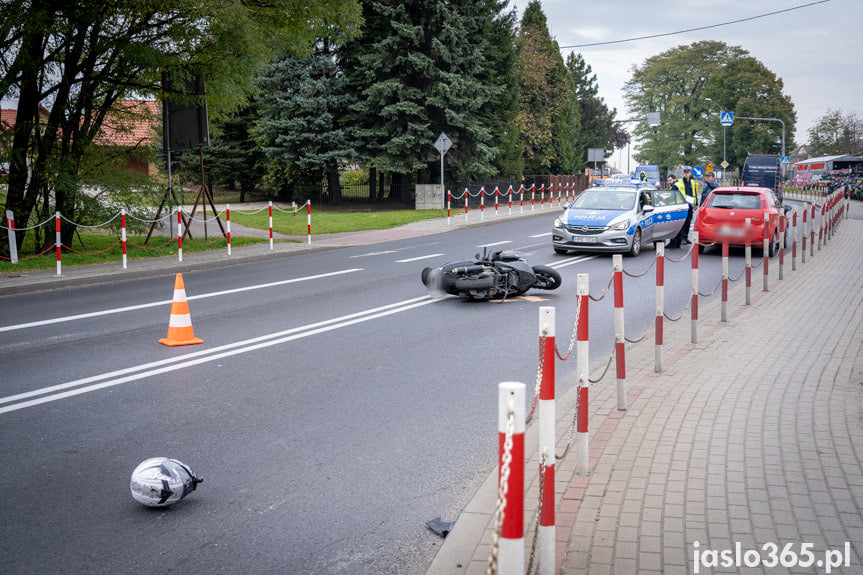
812,233
766,250
532,195
794,240
13,241
466,209
660,287
521,199
180,234
803,251
228,226
821,224
783,234
509,193
542,197
511,425
619,336
748,252
547,421
582,373
724,305
482,203
496,195
58,241
694,287
448,202
123,233
270,208
308,222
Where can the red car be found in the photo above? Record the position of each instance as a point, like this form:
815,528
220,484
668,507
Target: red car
722,218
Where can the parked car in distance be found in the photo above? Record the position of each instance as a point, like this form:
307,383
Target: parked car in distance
619,218
722,218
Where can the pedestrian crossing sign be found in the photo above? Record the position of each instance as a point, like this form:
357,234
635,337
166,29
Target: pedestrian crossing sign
726,118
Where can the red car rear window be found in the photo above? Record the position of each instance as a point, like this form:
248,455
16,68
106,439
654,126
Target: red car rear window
735,201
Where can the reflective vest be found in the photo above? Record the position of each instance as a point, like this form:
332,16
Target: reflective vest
681,185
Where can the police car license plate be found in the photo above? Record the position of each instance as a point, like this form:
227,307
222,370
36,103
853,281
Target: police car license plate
584,239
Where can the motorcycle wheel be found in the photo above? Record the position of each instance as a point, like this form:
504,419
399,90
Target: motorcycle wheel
425,275
546,278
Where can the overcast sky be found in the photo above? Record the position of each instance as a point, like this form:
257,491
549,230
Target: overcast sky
816,50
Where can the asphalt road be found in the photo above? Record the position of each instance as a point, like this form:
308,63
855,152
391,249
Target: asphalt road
334,408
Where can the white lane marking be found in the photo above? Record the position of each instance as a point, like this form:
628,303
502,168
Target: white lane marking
204,356
375,254
558,265
166,302
419,258
541,235
494,244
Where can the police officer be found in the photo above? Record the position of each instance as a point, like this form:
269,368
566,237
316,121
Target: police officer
689,188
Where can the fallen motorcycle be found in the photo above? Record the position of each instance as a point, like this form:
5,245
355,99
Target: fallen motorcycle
498,275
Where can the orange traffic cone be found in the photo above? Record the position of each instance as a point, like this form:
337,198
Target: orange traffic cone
180,330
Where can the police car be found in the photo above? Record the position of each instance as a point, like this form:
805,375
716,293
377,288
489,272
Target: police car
619,219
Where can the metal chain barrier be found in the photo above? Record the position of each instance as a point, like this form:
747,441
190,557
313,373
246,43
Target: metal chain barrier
605,293
644,273
533,403
574,332
502,490
605,371
685,256
574,425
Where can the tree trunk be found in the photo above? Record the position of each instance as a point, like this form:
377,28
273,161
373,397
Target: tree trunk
373,180
333,183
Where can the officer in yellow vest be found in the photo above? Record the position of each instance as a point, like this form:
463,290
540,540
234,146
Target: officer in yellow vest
689,188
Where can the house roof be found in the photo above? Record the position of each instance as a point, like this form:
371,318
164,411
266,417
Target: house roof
130,123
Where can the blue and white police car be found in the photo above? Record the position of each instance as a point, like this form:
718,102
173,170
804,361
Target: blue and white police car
619,219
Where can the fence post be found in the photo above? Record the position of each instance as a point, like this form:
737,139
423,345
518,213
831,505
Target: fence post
532,195
13,241
724,306
270,209
794,240
547,421
783,234
694,281
482,203
58,241
803,251
619,335
228,226
466,209
496,195
180,234
448,202
582,372
812,232
660,287
748,252
766,250
509,202
521,199
308,220
511,476
123,233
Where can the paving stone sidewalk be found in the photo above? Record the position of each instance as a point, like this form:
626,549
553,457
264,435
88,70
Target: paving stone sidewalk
751,438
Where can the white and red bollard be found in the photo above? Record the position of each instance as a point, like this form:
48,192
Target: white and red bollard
58,242
13,240
228,226
619,335
766,284
496,195
812,233
582,373
270,208
308,220
693,308
180,233
748,253
803,250
724,304
660,289
510,426
482,203
122,233
547,420
794,240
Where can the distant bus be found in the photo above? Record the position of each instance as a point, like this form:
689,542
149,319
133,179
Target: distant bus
650,172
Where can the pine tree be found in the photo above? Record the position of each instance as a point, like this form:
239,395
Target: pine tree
597,121
302,113
417,69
